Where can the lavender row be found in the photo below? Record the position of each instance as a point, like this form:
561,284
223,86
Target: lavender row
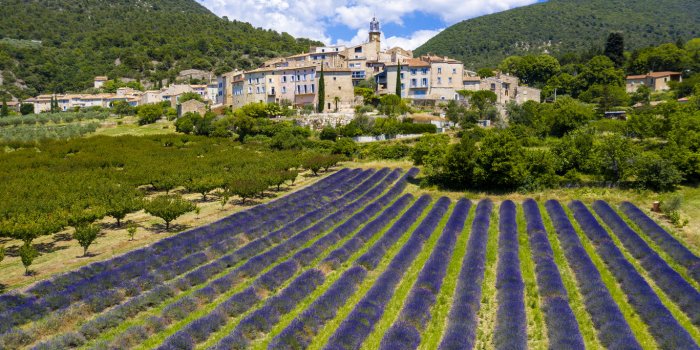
271,280
405,332
71,287
665,240
668,279
273,254
374,255
613,330
562,327
462,319
668,333
354,329
263,319
308,254
300,333
343,253
250,268
199,330
304,327
511,321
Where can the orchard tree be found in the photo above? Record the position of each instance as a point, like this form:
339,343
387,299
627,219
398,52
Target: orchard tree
203,184
122,202
247,187
86,235
2,253
168,207
27,254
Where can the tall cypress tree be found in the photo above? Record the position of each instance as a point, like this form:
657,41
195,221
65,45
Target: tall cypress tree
615,48
321,92
4,111
398,79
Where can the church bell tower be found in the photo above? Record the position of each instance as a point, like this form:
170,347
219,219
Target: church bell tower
374,33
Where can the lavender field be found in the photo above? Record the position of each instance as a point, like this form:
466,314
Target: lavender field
357,262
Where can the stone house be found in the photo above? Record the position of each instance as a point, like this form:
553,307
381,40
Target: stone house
191,106
656,81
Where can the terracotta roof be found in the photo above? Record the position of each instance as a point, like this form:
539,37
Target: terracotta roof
652,75
101,78
414,62
335,69
471,79
662,74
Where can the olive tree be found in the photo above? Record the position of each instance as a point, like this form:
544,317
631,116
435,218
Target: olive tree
168,207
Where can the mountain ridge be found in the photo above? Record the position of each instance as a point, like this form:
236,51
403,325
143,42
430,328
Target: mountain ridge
149,40
565,26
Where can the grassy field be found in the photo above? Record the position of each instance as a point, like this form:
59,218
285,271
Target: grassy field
129,126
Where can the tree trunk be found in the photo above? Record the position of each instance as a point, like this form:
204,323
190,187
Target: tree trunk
85,252
167,225
119,222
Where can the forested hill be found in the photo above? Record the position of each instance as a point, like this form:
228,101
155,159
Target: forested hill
563,26
146,39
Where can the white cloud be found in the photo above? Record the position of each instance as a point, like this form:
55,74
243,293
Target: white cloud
416,39
312,18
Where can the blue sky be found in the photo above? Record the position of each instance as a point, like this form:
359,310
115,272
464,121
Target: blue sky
405,23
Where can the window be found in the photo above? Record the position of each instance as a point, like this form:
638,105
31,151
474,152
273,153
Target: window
454,70
414,71
269,80
414,83
358,49
313,88
402,86
424,82
401,75
449,80
284,89
250,80
439,80
250,90
284,78
424,71
439,70
493,87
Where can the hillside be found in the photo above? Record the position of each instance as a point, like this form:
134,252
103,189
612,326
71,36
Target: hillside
51,45
562,26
